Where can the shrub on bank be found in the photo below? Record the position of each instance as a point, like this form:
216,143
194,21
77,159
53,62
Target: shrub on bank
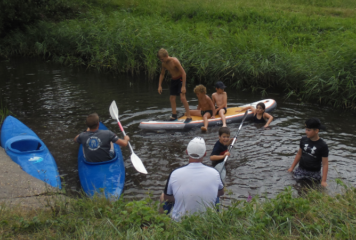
308,53
314,215
16,14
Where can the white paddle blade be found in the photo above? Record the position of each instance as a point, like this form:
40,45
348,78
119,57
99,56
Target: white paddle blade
220,166
137,163
223,174
114,111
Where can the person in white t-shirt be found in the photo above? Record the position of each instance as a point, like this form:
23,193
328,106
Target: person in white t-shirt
193,187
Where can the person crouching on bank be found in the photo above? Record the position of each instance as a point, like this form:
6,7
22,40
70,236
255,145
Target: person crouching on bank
194,187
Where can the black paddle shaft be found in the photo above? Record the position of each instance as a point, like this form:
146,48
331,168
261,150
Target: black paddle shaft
220,167
238,131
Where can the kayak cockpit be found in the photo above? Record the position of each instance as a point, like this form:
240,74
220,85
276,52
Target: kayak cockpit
26,144
99,163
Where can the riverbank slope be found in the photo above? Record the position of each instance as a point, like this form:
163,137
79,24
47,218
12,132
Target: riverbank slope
315,215
305,49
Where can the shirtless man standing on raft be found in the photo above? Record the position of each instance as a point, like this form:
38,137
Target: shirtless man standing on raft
178,81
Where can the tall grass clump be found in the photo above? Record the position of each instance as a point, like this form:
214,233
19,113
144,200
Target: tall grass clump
4,112
305,48
315,215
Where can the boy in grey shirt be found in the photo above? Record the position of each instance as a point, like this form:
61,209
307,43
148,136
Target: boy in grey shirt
97,144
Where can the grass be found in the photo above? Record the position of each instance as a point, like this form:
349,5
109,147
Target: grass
305,48
4,112
315,215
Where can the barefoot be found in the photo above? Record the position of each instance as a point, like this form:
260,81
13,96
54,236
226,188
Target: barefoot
224,125
203,129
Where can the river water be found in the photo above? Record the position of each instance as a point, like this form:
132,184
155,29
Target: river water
54,101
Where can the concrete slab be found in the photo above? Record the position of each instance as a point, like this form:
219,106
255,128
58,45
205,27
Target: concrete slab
18,187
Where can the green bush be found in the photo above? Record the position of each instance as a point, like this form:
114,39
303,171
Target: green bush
304,48
16,14
314,215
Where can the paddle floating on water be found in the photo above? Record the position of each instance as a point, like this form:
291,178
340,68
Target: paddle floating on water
221,166
136,161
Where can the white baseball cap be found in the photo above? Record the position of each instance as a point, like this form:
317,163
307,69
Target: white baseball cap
196,148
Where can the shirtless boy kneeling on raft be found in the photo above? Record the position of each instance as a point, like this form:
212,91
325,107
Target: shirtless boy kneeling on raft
178,81
205,108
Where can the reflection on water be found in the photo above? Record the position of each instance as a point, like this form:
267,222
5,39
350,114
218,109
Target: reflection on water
54,101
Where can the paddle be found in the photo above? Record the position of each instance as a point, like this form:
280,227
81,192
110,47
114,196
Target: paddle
221,166
136,161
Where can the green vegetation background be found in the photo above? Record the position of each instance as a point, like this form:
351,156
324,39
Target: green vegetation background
306,48
314,215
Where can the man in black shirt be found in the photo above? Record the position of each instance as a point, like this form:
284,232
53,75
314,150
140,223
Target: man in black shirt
313,153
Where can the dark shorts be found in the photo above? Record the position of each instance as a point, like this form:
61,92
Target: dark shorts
167,206
176,86
301,173
220,109
209,111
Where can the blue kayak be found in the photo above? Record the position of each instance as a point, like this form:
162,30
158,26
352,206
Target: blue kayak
102,177
26,149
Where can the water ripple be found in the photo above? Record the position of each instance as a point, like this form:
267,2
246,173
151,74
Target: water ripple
54,101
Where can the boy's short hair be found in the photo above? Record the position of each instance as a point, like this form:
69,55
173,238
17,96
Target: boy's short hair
314,123
200,88
162,53
92,120
223,130
262,105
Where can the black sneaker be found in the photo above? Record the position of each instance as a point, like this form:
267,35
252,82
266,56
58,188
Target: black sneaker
188,120
173,117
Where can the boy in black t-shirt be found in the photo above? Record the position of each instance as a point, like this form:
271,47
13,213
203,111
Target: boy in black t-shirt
220,148
313,153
